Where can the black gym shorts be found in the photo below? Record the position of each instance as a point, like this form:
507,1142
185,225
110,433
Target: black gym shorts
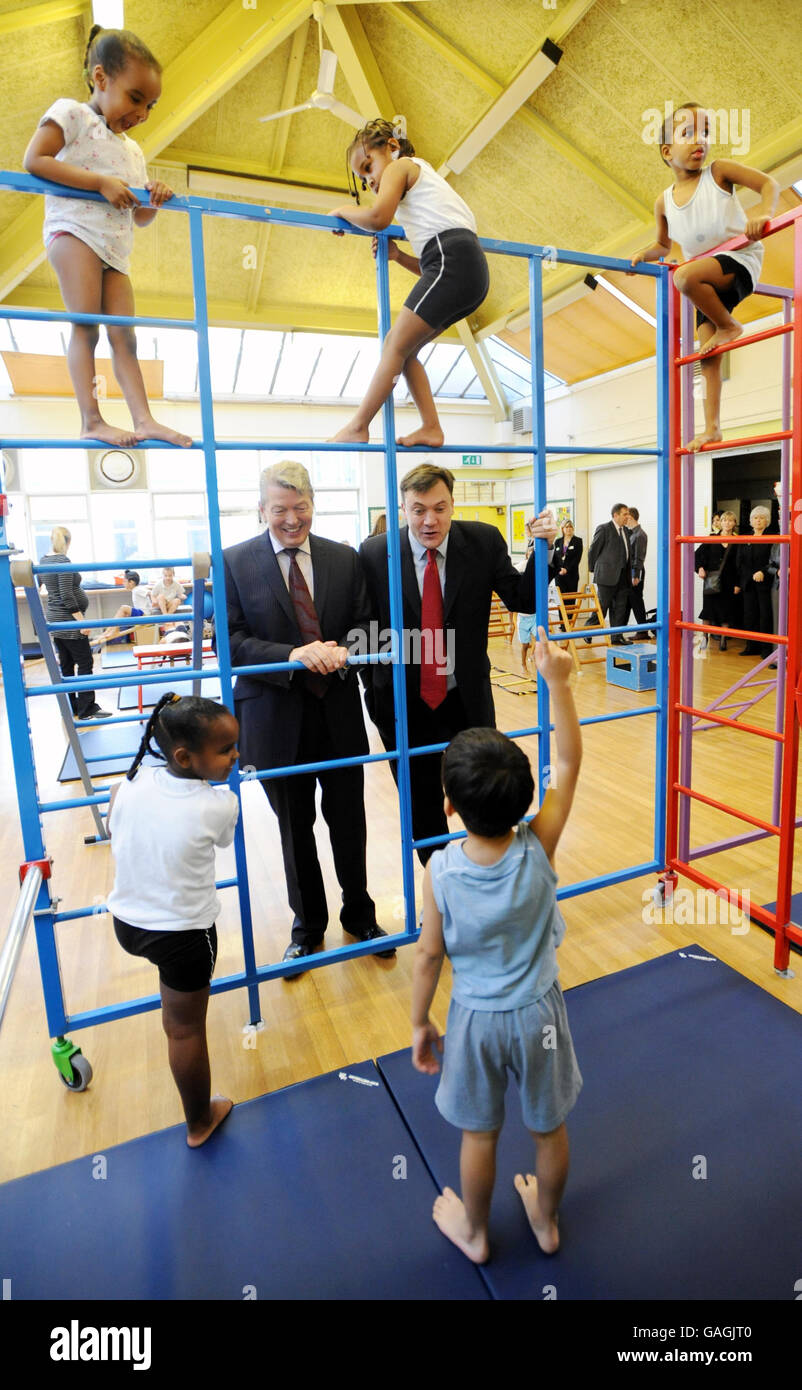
740,288
185,959
454,279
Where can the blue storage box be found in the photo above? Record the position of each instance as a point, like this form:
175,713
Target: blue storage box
634,666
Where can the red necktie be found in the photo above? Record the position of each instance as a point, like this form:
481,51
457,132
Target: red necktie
308,622
433,679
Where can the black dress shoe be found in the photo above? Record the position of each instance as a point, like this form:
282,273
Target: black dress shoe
97,713
294,952
748,651
371,934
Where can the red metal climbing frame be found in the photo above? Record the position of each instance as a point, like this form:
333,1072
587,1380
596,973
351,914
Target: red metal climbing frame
681,628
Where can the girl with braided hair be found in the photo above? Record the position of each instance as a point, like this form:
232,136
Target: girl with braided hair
454,278
165,822
85,145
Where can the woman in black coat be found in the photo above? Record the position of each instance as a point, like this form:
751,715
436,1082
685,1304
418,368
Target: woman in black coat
718,565
757,576
564,560
67,601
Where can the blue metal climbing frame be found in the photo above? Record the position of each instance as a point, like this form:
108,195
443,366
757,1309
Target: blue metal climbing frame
17,692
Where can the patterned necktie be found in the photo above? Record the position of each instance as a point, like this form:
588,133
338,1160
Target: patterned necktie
623,535
308,622
433,679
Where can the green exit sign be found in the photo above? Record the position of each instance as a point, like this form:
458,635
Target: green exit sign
471,460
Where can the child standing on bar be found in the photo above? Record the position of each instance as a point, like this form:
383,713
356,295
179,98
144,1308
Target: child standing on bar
85,145
165,823
701,211
489,903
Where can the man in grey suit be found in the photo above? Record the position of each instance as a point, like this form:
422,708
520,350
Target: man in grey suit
610,563
638,541
292,596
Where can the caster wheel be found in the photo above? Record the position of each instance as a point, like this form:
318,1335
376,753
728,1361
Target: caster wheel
82,1073
659,894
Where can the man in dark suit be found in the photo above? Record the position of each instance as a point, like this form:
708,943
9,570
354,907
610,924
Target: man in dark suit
292,596
638,541
609,561
449,571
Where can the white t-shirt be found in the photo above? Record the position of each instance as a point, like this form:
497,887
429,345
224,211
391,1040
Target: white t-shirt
89,144
431,206
711,217
168,591
163,833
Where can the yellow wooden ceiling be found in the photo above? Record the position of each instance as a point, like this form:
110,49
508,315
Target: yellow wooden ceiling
571,168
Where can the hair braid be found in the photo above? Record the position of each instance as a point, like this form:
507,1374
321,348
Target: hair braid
150,729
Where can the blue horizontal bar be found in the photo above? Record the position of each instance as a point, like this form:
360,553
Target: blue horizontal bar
64,316
269,773
323,447
150,677
73,567
101,909
155,620
22,442
587,885
74,802
109,723
581,632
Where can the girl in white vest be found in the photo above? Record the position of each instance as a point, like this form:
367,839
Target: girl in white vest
454,278
699,212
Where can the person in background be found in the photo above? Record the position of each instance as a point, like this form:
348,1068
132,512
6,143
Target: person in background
715,524
756,579
68,602
380,525
717,566
609,562
638,541
139,607
565,558
167,593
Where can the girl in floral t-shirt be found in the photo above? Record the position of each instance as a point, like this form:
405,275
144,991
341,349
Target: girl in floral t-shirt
85,145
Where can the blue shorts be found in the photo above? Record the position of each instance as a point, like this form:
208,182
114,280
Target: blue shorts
533,1043
527,628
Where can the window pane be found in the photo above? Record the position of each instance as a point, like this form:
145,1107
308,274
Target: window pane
297,360
53,470
174,539
122,526
259,353
344,501
338,528
224,345
80,550
241,467
234,529
238,502
334,470
180,504
171,469
16,529
178,350
63,508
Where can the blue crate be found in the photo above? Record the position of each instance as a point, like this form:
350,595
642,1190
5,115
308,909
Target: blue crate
634,666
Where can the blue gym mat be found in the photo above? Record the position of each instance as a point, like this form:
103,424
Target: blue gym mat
121,655
683,1059
128,698
796,918
119,741
295,1197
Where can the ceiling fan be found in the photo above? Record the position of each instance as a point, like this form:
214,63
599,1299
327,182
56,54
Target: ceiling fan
323,98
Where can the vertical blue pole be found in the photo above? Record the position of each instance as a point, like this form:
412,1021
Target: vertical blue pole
539,492
396,606
218,584
665,554
21,741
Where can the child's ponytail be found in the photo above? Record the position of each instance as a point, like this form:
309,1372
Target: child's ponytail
112,48
150,729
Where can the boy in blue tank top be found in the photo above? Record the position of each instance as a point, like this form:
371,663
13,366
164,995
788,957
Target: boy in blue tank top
489,903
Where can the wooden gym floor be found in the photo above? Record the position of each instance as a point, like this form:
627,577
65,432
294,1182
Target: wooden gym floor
344,1013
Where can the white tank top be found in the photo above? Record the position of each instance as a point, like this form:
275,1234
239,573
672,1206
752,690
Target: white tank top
431,206
710,218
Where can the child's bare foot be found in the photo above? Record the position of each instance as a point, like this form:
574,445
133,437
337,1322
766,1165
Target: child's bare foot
429,435
450,1218
349,434
710,436
148,428
546,1233
219,1108
721,337
108,434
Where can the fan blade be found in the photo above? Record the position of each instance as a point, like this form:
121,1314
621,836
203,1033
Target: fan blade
276,116
324,101
327,71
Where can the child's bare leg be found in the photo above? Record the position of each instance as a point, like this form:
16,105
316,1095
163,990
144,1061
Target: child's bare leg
80,277
118,298
430,432
184,1021
465,1221
541,1192
702,282
711,378
525,658
407,335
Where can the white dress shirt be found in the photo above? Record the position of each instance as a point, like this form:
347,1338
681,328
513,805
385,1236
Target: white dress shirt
420,560
304,558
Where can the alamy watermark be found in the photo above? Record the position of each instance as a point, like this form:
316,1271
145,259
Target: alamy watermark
703,907
725,126
417,646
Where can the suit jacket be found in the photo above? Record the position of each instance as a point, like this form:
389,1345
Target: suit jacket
262,627
638,541
606,558
477,563
568,560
